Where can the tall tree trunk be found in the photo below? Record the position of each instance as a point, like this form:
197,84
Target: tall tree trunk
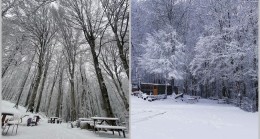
116,80
30,90
23,83
72,96
106,103
35,87
52,87
122,55
123,96
60,92
43,84
84,92
256,91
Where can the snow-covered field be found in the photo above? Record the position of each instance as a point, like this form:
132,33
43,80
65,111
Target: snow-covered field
174,119
52,131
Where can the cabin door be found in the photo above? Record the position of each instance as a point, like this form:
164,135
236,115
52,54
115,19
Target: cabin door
155,90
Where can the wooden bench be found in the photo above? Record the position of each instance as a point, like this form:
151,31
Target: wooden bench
179,96
233,101
213,98
197,97
87,124
192,100
222,101
112,128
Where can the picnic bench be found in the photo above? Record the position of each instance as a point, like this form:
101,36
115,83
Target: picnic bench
179,96
53,119
80,120
87,124
112,128
33,120
233,101
107,123
10,119
223,100
213,98
192,100
4,114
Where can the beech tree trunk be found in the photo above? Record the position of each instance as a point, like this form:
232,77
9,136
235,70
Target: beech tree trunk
60,94
23,82
52,87
35,86
106,103
43,82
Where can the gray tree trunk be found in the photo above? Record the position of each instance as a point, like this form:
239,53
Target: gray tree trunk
106,103
52,87
23,82
36,85
30,90
60,94
43,82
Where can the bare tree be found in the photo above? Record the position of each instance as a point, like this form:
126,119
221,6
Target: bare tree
42,30
70,41
21,88
60,93
118,18
47,63
114,69
88,16
56,73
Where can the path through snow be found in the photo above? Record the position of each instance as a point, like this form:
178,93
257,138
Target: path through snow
174,119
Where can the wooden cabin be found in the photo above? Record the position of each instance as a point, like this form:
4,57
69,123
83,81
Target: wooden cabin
155,89
135,87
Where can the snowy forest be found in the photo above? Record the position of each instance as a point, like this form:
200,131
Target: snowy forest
207,47
66,58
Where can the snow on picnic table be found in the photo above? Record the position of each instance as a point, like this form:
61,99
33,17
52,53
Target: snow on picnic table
175,119
52,131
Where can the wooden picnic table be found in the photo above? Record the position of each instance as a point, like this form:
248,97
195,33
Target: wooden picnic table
4,114
192,100
82,119
85,119
108,120
111,124
53,119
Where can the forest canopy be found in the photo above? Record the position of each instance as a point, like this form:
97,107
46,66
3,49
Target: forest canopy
66,58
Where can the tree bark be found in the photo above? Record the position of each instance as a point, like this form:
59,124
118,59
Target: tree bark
35,87
43,82
106,103
72,96
30,90
115,78
52,87
60,92
23,82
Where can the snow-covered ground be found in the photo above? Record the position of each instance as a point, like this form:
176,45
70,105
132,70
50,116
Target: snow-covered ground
51,131
174,119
